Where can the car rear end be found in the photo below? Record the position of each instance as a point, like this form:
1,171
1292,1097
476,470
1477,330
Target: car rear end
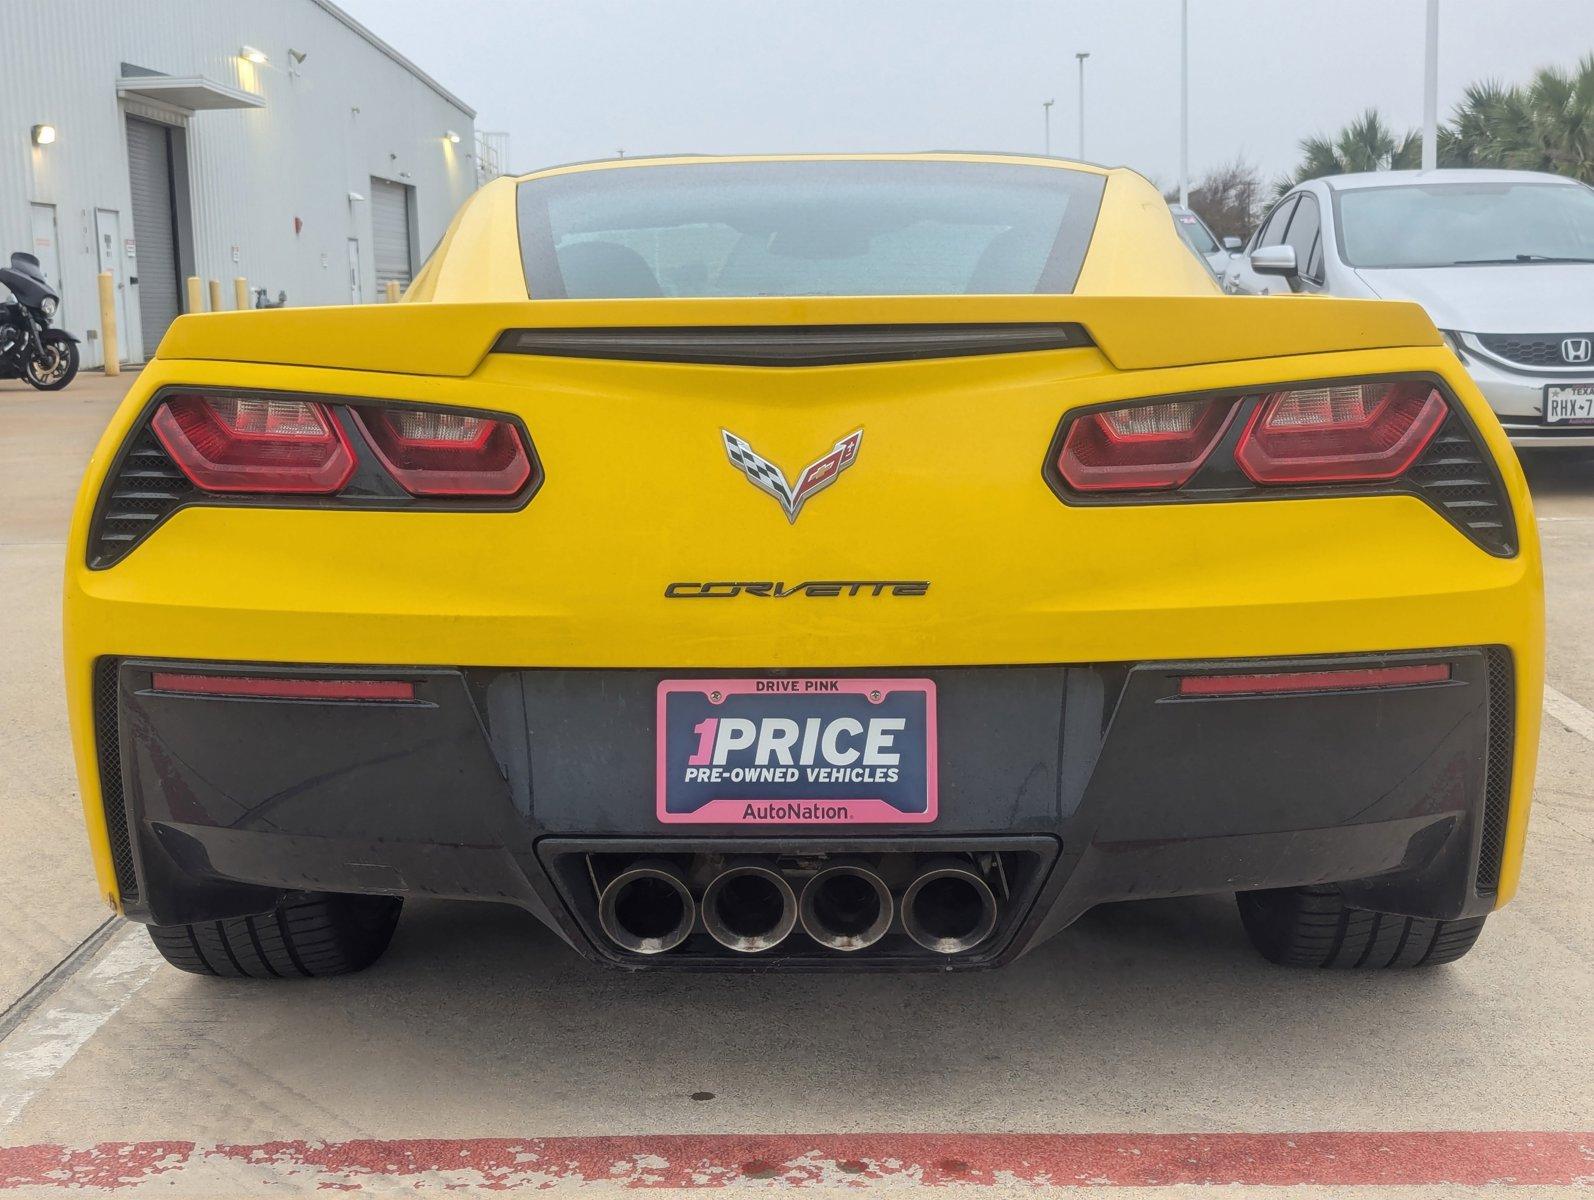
803,632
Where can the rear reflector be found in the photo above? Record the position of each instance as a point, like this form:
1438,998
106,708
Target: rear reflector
261,687
254,443
435,452
1142,447
1348,679
1340,433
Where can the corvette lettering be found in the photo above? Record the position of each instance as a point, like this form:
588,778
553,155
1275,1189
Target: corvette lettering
818,589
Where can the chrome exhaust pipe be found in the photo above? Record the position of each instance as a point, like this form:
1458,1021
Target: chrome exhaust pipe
647,908
949,908
749,907
845,906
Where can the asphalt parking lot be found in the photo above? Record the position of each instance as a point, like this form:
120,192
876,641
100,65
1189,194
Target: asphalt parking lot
1147,1049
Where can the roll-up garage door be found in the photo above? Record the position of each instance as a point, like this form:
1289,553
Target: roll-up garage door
149,164
390,232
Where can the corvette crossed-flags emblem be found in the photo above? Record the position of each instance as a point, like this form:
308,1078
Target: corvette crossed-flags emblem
815,477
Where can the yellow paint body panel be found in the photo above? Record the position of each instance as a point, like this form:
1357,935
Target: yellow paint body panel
947,487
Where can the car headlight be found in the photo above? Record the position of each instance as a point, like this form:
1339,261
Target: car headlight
1453,340
47,306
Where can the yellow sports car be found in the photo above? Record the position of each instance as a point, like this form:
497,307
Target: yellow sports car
805,562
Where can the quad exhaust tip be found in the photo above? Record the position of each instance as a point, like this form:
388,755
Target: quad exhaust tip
845,906
749,907
647,908
949,908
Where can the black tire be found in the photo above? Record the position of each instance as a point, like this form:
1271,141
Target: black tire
309,935
1314,927
62,366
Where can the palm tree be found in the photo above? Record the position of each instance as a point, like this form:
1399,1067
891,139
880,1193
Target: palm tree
1366,144
1546,126
1561,106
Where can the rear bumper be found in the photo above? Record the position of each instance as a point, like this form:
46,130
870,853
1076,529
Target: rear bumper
1106,782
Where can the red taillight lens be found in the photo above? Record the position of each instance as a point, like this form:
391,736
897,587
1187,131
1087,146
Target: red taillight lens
1332,680
434,452
255,444
1142,447
1340,433
263,687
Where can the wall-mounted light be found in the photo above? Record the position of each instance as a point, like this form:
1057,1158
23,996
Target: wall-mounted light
355,198
452,136
250,54
43,135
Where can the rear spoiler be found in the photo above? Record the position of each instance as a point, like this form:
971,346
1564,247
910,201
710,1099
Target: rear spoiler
1135,333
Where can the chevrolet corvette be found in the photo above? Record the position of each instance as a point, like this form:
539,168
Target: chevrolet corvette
807,562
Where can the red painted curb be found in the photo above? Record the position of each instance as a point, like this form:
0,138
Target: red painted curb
795,1160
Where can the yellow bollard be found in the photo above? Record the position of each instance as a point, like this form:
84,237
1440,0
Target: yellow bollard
215,295
196,297
240,292
113,358
393,291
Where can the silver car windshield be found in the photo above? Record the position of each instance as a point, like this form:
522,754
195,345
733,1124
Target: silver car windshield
1466,224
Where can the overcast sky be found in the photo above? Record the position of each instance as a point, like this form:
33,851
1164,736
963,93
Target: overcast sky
578,79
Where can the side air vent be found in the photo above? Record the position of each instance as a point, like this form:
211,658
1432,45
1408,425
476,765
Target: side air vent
793,345
1497,778
145,488
1456,477
107,736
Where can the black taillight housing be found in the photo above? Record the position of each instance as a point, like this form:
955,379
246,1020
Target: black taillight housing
1373,436
246,448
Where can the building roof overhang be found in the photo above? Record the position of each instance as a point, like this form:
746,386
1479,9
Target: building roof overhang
193,92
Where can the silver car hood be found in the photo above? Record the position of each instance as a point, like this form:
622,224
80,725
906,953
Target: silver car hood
1531,298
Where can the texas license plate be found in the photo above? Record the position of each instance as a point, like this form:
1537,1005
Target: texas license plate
1569,404
821,751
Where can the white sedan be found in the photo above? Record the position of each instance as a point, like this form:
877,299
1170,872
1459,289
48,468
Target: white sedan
1502,260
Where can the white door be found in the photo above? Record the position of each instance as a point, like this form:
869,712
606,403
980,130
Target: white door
108,237
356,289
46,244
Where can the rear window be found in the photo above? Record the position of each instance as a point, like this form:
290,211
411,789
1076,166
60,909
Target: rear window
1195,233
807,229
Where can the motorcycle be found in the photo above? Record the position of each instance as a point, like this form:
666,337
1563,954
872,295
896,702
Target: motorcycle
47,358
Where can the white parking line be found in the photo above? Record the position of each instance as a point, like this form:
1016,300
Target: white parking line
49,1038
1569,712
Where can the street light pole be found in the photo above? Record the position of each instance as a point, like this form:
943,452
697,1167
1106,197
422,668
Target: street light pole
1430,96
1082,56
1184,103
1046,107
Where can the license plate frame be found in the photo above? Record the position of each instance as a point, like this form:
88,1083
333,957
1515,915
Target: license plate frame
1582,407
682,745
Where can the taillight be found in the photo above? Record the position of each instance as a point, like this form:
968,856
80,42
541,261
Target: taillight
1340,433
264,687
1142,447
255,443
434,452
1339,679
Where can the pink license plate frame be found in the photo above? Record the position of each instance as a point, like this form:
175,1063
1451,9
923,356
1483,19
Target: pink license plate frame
861,804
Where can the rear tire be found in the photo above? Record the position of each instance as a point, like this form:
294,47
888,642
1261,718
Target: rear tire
308,935
1314,927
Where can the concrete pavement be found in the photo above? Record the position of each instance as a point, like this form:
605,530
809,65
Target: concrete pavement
479,1036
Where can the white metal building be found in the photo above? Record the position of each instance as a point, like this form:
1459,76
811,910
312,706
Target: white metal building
278,140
